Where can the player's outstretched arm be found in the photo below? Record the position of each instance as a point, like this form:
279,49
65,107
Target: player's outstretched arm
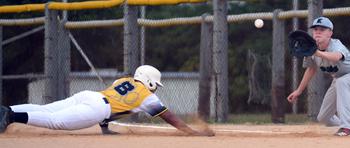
309,73
173,120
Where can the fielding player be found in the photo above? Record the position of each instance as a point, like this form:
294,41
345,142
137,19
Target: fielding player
87,108
332,57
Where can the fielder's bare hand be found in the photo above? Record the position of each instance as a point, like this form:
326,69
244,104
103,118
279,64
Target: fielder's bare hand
293,96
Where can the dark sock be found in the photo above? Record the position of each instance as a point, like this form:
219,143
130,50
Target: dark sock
21,117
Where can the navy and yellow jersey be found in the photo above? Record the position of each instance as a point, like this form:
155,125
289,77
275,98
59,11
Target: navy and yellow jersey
126,96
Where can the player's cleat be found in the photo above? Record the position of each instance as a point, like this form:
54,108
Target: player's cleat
4,118
343,132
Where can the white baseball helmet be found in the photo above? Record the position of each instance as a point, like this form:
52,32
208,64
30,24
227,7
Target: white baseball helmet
149,76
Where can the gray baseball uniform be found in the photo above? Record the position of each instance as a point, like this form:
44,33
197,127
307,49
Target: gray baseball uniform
335,109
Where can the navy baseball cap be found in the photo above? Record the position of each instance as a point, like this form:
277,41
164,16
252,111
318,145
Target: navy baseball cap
323,22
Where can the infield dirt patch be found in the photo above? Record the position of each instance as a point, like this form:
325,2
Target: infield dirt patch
150,136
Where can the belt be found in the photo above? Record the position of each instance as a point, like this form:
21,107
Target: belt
105,99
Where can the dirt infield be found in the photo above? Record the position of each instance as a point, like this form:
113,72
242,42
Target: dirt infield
150,136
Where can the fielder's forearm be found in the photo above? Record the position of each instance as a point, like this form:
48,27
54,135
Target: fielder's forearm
309,73
331,56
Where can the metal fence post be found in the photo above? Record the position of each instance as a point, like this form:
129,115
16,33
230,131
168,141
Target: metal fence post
63,48
278,97
205,69
295,61
318,85
143,37
131,44
131,39
220,59
51,56
1,62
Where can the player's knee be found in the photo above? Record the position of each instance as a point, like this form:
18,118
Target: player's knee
325,120
322,118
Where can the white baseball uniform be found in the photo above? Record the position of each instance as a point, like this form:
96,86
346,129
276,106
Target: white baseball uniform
88,108
335,109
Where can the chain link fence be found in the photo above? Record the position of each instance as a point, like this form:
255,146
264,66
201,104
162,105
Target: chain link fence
67,67
60,57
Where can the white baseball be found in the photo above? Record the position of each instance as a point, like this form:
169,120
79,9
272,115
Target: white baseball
259,23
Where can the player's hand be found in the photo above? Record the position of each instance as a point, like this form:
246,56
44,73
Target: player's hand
293,96
208,133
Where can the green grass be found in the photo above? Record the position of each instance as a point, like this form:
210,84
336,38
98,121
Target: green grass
254,119
266,119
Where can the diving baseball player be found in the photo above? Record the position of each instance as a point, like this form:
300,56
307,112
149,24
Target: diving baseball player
87,108
333,58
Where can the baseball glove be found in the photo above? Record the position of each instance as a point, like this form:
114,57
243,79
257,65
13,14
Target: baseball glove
301,44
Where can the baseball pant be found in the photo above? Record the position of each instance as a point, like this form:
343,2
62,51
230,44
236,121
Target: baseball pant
335,109
82,110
